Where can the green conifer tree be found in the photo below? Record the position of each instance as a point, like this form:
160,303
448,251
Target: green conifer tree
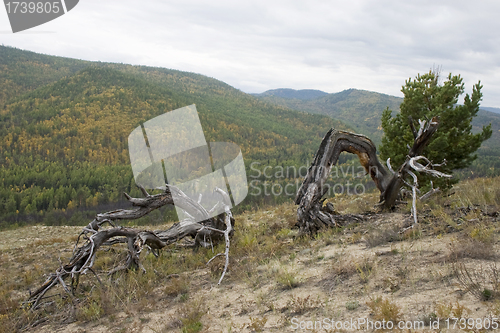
424,98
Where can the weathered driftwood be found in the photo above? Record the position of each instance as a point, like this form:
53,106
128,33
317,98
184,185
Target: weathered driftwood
208,231
311,213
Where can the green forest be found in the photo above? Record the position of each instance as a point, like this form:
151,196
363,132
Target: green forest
64,126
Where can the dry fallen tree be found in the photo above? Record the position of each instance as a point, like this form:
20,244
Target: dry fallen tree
313,215
205,233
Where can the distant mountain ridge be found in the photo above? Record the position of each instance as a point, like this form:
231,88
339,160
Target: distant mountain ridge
360,109
490,109
302,94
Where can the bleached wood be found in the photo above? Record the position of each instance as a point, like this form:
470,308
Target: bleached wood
95,236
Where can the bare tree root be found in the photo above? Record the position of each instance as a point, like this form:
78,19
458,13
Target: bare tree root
210,230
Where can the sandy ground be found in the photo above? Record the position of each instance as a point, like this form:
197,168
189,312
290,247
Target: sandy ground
413,274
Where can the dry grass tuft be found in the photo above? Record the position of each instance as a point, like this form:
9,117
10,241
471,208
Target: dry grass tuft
302,305
177,286
384,309
257,324
49,241
287,279
344,266
450,310
382,235
189,315
470,248
482,282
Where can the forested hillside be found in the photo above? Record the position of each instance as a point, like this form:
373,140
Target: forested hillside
64,126
22,71
360,109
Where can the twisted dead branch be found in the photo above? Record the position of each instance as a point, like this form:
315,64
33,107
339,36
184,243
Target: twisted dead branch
210,230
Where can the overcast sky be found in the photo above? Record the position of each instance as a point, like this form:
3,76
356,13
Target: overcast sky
259,45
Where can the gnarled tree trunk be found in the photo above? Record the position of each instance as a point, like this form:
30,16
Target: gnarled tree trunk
311,213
